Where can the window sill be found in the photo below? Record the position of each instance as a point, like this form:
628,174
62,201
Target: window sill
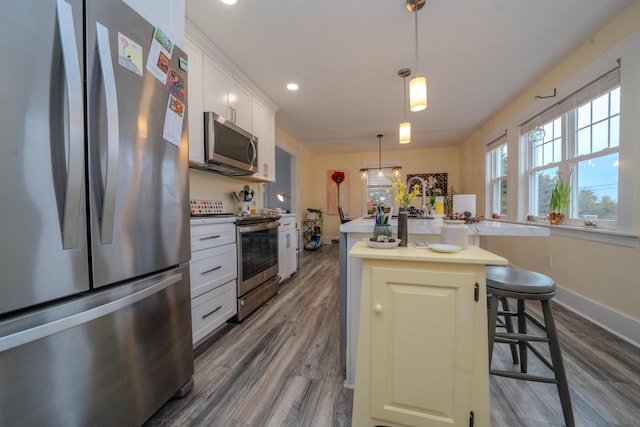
599,235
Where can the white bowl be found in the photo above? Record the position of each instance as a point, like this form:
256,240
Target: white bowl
383,245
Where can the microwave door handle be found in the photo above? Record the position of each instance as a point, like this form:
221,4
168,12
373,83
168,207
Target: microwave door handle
75,146
113,135
255,153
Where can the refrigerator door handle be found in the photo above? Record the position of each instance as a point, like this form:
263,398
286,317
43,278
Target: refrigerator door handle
75,146
113,135
46,329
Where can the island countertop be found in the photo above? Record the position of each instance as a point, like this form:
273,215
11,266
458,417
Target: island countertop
471,255
434,226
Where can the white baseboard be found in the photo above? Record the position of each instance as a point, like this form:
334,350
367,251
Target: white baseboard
618,324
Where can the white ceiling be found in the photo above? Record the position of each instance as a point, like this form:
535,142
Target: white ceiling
477,55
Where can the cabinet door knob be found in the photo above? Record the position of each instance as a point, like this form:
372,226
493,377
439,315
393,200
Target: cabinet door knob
377,308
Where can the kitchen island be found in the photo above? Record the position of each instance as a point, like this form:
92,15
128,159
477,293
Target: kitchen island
419,230
422,338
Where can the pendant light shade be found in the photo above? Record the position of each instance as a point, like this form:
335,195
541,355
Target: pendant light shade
418,93
405,132
418,84
405,127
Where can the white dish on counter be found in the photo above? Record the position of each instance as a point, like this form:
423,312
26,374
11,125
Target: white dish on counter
442,247
383,245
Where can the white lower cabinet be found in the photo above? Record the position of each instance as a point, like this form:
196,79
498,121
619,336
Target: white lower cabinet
287,247
212,309
213,275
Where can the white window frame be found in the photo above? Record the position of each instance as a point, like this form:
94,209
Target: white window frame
387,168
628,222
561,144
494,178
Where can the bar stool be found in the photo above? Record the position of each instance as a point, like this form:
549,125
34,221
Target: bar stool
524,285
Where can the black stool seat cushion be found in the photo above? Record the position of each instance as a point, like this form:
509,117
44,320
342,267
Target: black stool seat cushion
517,280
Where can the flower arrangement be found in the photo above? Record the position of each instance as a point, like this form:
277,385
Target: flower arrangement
403,197
338,177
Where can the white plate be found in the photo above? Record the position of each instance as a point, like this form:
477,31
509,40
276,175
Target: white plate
441,247
383,245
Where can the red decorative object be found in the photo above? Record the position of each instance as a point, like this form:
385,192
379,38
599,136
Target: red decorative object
337,177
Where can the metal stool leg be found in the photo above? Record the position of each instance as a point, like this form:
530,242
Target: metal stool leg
558,365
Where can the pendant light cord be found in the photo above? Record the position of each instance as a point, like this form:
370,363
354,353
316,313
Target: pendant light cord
380,152
415,11
404,92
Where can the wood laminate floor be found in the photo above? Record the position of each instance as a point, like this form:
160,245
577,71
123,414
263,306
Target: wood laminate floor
280,367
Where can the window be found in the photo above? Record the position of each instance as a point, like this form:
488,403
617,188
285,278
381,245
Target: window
577,139
497,175
378,189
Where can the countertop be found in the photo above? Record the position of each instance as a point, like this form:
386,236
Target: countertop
212,220
471,255
434,226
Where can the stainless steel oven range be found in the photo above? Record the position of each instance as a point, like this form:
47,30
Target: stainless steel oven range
257,239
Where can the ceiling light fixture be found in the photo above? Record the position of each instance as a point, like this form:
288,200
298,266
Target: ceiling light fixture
229,2
405,127
292,86
418,84
364,172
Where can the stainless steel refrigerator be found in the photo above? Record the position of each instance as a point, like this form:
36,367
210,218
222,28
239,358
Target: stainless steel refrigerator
95,324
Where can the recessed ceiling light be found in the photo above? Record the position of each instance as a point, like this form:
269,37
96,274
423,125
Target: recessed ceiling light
229,2
292,86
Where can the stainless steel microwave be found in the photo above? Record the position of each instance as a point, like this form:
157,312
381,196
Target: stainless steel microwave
229,149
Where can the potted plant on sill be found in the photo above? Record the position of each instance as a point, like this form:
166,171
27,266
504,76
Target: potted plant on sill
559,202
313,213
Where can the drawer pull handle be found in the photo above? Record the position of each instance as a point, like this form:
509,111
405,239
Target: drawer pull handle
211,270
284,225
211,312
210,237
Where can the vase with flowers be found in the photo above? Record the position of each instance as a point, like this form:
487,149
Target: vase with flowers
404,199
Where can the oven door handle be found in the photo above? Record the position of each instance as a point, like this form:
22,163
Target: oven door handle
257,227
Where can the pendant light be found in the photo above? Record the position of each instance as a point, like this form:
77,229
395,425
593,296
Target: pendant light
418,84
364,172
405,127
380,173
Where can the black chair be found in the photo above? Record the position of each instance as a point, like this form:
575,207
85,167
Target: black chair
342,218
524,285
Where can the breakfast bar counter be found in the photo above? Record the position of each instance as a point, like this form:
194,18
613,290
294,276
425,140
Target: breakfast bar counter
419,229
421,336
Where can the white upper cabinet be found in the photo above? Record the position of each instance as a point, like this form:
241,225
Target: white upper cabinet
264,128
214,84
225,96
195,102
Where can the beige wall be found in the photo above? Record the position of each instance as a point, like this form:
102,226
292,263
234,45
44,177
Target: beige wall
212,186
432,160
600,280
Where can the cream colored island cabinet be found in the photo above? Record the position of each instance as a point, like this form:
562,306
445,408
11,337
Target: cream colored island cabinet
422,338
